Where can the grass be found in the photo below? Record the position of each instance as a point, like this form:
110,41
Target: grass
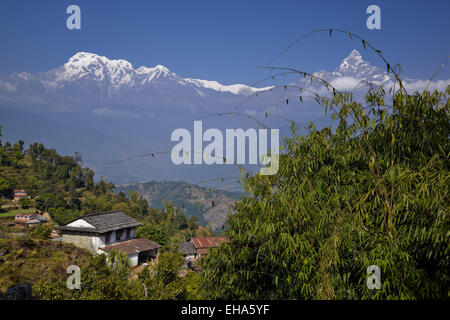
28,260
14,212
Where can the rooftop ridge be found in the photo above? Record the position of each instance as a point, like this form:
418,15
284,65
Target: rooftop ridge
99,213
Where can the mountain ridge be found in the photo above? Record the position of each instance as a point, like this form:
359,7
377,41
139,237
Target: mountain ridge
210,206
120,72
140,107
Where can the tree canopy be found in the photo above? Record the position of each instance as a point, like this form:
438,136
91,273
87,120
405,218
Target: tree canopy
373,190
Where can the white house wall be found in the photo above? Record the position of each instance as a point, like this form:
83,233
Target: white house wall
134,259
189,257
80,223
99,241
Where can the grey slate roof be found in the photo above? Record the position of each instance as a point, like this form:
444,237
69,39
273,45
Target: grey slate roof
187,248
105,222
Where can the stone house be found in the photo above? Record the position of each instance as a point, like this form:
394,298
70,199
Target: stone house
188,250
202,245
102,232
19,194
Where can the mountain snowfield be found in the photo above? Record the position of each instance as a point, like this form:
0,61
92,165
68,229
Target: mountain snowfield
121,73
91,77
109,110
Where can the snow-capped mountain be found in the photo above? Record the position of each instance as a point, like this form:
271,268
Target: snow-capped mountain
88,69
352,70
109,110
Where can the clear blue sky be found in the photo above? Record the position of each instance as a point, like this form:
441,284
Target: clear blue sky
222,40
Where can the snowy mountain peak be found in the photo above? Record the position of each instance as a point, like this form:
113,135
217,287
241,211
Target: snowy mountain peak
355,54
355,66
352,62
144,70
86,71
93,66
162,68
86,59
90,66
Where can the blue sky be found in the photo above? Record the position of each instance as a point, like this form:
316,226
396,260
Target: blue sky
223,40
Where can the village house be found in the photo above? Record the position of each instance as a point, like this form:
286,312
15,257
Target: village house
139,251
19,194
55,234
188,250
29,219
103,232
202,245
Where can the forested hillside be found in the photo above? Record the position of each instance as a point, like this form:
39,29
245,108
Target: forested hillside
210,206
61,186
370,194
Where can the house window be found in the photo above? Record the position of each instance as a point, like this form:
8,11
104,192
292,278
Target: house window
107,237
119,234
128,233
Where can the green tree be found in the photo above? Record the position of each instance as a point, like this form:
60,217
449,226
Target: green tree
6,187
102,278
371,191
41,231
152,232
165,282
25,203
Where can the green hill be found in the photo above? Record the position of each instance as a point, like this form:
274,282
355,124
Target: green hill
210,206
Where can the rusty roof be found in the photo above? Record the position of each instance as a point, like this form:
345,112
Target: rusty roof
27,216
210,242
132,246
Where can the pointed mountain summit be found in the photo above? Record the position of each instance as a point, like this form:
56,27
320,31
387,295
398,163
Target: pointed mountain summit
351,62
355,66
95,78
352,70
89,69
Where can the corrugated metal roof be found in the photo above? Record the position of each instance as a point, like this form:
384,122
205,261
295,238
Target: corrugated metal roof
132,246
27,216
33,221
210,242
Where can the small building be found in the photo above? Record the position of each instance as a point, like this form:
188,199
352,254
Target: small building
55,234
139,251
202,245
29,218
188,250
19,194
32,223
102,232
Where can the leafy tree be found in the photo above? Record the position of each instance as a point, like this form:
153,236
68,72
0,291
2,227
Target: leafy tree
25,203
48,201
41,231
372,191
119,263
122,206
63,216
152,232
169,266
6,187
101,279
165,282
